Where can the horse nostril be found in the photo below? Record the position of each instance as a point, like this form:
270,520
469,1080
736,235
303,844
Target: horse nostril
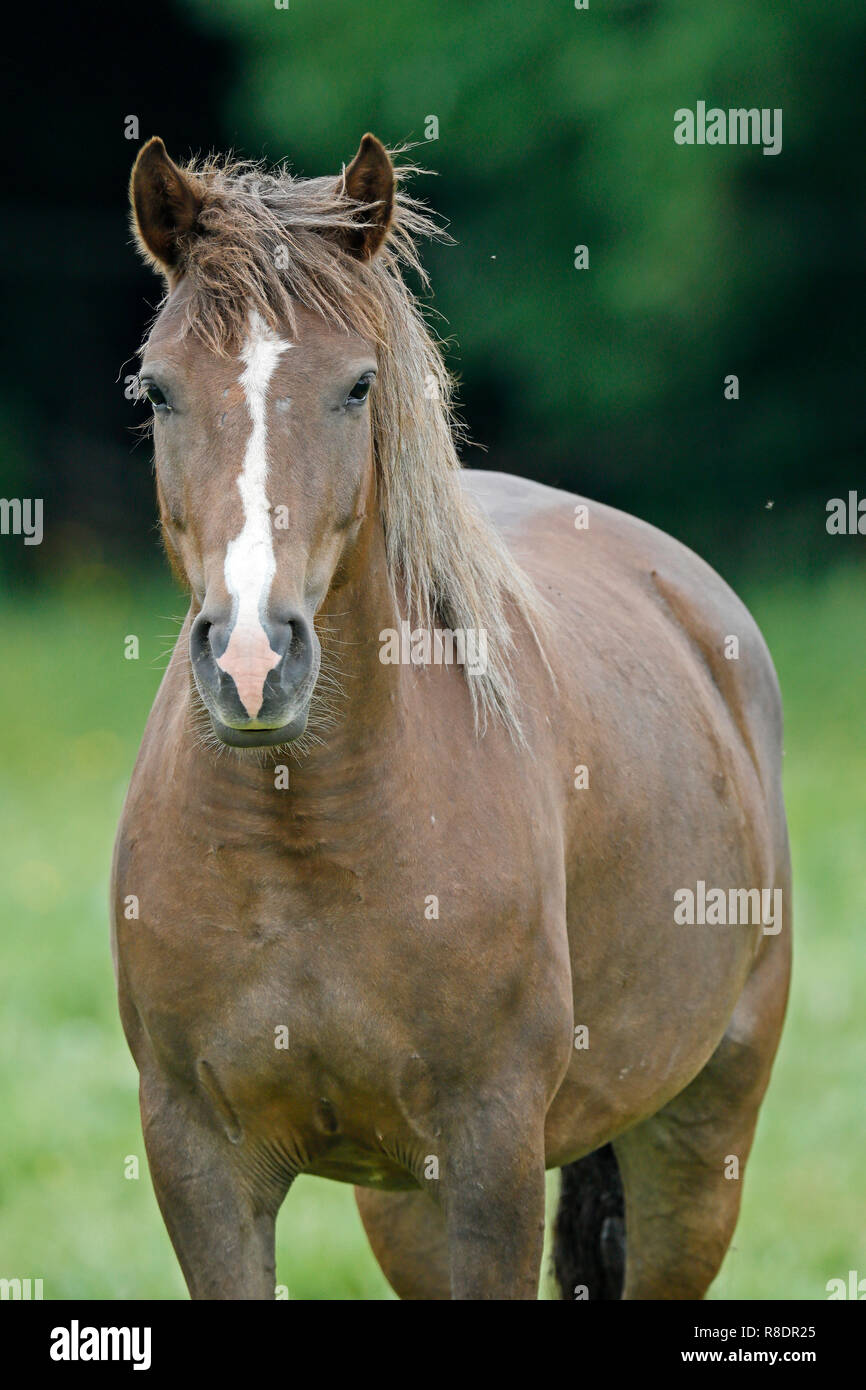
289,634
297,644
199,638
297,641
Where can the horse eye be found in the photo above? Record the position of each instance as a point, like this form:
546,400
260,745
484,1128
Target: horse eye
155,396
360,390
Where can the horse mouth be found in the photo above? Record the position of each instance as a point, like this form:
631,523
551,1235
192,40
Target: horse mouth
259,738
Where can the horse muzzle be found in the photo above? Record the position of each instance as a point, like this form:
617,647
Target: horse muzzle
256,679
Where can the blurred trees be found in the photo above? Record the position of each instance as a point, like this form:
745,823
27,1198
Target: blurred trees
555,129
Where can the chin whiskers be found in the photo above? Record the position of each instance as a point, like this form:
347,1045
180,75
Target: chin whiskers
201,727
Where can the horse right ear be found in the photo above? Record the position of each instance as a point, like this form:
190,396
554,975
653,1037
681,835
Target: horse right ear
369,179
165,206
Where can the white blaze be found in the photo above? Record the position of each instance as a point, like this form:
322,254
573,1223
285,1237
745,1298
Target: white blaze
249,564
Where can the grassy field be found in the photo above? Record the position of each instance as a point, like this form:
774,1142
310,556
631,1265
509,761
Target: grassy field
71,713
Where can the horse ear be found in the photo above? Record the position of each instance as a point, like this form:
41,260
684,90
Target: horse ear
369,179
165,205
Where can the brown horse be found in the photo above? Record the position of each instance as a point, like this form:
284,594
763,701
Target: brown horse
455,925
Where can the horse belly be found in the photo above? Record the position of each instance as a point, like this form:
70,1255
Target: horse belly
653,995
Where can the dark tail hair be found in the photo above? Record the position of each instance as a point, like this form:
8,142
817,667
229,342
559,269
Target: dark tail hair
589,1234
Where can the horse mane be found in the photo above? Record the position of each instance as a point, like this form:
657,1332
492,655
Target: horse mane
267,240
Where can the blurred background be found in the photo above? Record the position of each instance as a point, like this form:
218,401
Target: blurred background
554,129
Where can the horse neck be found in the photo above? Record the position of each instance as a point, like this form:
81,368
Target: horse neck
362,693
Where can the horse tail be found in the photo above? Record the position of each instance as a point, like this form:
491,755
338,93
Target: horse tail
589,1233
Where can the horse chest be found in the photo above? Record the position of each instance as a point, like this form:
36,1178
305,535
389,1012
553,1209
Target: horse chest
327,1002
308,1055
290,999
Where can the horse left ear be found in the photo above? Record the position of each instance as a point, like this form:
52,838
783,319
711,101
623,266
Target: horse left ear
165,205
369,179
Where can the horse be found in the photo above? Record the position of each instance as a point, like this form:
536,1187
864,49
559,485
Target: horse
406,923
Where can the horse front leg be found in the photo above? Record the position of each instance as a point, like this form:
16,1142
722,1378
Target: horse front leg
492,1192
221,1222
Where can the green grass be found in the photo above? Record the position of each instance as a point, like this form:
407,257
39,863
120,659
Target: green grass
71,713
